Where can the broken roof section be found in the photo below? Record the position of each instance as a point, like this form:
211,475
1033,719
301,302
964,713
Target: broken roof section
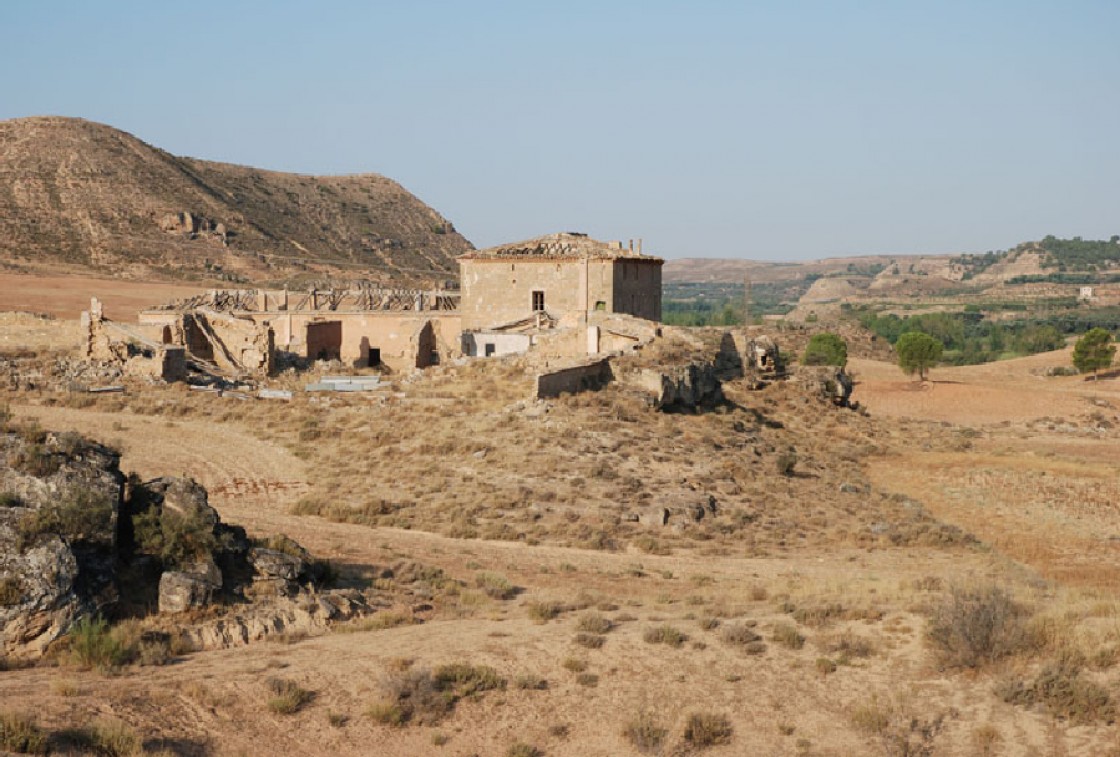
566,245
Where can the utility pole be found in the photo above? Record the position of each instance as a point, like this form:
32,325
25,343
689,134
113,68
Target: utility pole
746,301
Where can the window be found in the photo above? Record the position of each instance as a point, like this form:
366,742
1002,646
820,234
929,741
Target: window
538,301
489,348
601,306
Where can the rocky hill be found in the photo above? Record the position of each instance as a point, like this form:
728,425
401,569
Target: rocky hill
79,194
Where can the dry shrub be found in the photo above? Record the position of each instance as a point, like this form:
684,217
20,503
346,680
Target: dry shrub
705,729
530,682
425,698
664,634
739,635
787,635
973,627
847,645
818,615
575,664
825,666
593,622
93,644
521,749
645,733
1061,688
20,734
986,739
110,738
542,612
496,586
590,680
590,640
899,731
288,697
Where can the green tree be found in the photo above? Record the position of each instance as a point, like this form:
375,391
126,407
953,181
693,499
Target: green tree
1093,351
1035,339
826,349
917,353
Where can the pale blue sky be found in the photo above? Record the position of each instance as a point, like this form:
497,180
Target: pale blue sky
768,130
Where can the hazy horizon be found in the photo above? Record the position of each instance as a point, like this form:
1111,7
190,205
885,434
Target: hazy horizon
754,131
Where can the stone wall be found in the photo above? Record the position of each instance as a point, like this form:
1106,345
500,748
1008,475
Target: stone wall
637,288
575,378
401,340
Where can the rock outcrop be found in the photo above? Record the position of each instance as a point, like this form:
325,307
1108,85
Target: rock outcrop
682,387
60,500
77,538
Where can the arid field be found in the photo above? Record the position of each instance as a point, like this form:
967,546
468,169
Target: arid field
936,574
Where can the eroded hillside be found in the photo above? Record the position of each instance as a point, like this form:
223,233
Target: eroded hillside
83,194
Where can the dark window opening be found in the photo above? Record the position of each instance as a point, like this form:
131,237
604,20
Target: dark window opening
489,348
538,301
374,357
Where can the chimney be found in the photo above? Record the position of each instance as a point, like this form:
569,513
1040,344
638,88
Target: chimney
639,245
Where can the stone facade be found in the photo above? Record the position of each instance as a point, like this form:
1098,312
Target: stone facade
561,277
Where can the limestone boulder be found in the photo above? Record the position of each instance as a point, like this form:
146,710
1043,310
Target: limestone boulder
272,563
180,591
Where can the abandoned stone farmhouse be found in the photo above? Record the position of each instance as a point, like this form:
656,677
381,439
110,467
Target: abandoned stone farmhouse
562,295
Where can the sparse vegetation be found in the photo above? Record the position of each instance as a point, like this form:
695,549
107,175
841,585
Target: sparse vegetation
542,612
288,697
20,734
973,627
108,737
664,634
646,733
425,698
706,729
77,515
495,586
94,644
787,635
1064,691
593,622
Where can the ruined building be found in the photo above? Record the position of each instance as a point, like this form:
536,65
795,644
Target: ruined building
561,281
564,295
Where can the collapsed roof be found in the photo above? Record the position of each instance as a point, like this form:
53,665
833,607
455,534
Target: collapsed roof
561,246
